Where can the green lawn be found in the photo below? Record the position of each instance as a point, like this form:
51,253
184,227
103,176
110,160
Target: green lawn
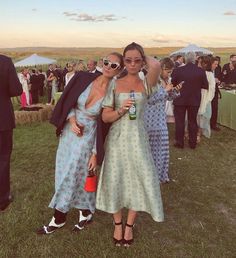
200,206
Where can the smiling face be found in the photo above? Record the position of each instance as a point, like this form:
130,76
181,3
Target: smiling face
112,65
133,61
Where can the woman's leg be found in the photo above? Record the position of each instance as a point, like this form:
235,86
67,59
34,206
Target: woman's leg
59,216
84,217
118,233
130,222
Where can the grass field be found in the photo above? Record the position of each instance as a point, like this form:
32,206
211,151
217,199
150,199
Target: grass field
199,204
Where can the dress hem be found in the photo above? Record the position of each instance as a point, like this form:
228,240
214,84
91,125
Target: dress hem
137,210
72,207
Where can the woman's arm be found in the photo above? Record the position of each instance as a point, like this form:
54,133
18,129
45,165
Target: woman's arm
174,92
153,71
92,164
109,115
50,77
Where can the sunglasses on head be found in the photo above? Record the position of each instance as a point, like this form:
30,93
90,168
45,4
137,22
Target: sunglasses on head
136,61
113,66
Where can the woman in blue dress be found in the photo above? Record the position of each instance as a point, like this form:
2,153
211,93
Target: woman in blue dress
155,119
76,117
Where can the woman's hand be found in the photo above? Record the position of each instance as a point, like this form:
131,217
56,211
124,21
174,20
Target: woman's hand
169,87
92,164
75,127
178,87
127,104
109,115
218,81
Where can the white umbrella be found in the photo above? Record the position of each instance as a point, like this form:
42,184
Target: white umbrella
192,48
34,60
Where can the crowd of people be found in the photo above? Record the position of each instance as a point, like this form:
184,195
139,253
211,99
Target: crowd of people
37,83
114,115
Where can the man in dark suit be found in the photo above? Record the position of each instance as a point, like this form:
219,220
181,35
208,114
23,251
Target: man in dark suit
229,71
42,78
91,66
194,79
10,86
34,81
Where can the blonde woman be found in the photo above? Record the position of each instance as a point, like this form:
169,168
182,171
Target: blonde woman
76,117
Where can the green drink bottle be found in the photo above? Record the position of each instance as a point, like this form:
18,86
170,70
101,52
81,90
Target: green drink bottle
132,109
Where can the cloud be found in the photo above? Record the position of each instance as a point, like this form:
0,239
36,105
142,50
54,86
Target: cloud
84,17
169,40
229,13
161,40
34,10
68,14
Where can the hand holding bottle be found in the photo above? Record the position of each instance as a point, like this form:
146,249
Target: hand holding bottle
127,104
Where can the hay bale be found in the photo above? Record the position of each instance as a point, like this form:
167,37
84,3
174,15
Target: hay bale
27,117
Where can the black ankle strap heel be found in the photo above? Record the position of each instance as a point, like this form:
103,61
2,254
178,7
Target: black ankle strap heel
128,243
116,241
128,225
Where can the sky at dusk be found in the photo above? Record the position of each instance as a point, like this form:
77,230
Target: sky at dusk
110,23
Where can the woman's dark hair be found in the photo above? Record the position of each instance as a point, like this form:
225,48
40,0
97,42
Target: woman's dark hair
167,64
206,63
120,57
213,59
135,46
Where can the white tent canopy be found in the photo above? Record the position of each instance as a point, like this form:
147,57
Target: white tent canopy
192,48
34,60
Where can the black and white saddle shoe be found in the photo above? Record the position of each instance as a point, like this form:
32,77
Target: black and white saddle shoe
83,220
50,228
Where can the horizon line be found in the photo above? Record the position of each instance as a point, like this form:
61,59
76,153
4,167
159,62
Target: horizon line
5,48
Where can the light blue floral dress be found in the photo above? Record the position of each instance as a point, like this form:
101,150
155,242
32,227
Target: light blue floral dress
72,158
128,175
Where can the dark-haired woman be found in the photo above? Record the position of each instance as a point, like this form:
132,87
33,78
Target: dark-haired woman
204,112
155,119
76,117
128,176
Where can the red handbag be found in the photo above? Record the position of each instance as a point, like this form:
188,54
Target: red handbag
91,182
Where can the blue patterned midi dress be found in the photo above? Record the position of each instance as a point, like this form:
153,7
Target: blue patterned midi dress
72,158
156,126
